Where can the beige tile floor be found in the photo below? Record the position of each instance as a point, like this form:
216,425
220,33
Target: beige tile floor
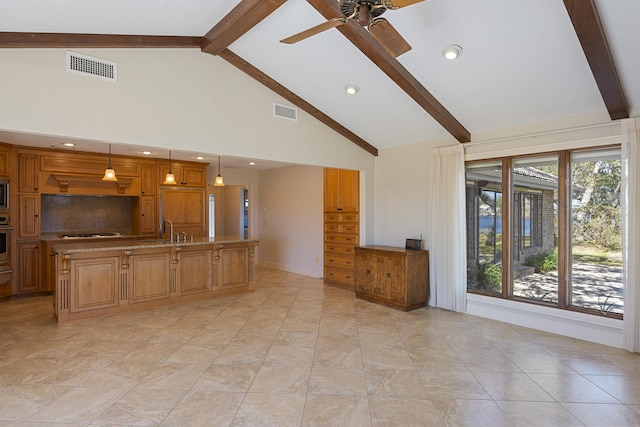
298,353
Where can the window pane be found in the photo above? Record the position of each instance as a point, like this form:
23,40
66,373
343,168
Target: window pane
535,223
596,255
484,227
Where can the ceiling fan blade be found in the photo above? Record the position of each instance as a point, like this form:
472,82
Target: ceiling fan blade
397,4
389,37
332,23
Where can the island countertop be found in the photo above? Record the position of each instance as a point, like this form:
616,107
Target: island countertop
93,245
99,277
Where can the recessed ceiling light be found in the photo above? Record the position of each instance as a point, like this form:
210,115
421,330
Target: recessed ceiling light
453,51
69,144
252,163
199,157
146,153
351,89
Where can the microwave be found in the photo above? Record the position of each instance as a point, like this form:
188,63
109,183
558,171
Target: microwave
4,195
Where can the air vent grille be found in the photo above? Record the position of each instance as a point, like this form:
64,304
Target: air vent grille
285,112
78,63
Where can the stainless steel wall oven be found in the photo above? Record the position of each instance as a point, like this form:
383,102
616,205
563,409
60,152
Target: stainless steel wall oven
5,243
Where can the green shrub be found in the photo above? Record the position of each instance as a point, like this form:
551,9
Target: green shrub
544,262
484,276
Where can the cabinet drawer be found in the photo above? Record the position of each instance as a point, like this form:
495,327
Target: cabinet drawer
339,261
332,274
341,238
341,217
334,227
339,249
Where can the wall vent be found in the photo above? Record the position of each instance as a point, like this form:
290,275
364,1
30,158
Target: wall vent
78,63
285,112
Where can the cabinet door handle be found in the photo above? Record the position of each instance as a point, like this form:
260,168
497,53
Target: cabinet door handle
368,271
388,275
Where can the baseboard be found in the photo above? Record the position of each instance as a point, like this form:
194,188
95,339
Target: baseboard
290,268
597,329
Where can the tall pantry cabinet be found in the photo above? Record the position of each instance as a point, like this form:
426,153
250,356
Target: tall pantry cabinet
341,226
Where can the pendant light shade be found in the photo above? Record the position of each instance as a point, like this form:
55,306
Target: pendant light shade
109,173
169,179
219,182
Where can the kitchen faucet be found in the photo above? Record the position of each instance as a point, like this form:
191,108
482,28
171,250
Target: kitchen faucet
162,221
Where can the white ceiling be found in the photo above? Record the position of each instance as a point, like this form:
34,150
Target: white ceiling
522,62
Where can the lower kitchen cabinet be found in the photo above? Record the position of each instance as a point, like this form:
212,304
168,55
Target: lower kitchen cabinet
395,277
29,262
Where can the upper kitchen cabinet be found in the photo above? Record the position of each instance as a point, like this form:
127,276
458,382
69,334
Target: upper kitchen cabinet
186,174
148,181
4,161
341,190
28,172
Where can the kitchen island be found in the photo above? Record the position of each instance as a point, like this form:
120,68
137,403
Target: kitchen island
107,277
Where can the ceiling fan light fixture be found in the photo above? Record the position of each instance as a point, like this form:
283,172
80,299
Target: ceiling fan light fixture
452,51
351,89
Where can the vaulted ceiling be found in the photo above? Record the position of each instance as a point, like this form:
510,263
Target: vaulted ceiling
523,61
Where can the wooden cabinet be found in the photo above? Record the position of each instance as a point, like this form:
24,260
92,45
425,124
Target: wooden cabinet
29,216
5,283
28,267
185,174
341,226
148,179
98,282
148,220
195,271
341,190
395,277
185,207
28,172
234,267
114,277
5,169
149,276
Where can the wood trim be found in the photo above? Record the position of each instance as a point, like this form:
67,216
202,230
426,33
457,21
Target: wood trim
588,27
368,45
261,77
69,40
564,237
64,181
507,227
246,15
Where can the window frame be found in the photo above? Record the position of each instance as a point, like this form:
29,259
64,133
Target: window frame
564,230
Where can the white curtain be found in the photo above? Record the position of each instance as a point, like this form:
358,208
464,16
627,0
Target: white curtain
631,231
448,261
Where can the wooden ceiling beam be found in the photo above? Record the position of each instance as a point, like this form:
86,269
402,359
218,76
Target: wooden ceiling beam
71,40
246,15
368,45
267,81
588,27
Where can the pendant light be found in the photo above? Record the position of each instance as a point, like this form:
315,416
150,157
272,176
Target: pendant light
169,179
219,181
109,173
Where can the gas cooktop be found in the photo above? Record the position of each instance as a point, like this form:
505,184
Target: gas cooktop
88,235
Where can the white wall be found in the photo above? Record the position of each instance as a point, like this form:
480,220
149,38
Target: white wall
172,98
402,183
290,206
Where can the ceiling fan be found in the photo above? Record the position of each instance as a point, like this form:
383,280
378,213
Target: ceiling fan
366,13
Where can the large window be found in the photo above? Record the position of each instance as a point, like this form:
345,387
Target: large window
546,230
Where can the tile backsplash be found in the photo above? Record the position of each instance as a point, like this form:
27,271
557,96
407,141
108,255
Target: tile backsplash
86,214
